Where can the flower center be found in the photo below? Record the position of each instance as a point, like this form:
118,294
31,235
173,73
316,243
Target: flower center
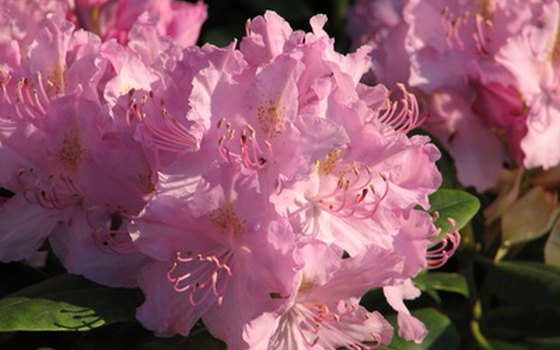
71,152
271,116
486,10
554,55
327,165
227,220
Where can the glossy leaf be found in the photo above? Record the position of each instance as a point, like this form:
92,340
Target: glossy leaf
502,345
442,281
198,339
522,321
522,283
67,303
458,205
520,299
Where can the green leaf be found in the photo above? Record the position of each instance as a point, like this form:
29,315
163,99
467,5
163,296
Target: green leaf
502,345
67,303
520,299
551,343
198,339
521,321
521,283
442,281
527,344
458,205
442,335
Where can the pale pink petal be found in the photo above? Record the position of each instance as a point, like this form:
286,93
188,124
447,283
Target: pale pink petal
410,328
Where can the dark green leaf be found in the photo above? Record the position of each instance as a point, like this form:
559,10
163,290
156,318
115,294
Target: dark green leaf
502,345
16,276
442,335
198,339
520,299
521,283
67,303
552,343
522,321
448,282
458,205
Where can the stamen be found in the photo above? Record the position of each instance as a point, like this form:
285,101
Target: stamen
111,237
444,249
402,116
356,198
3,86
315,323
201,275
251,154
451,24
164,131
51,193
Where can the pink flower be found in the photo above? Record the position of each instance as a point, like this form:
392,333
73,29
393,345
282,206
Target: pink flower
288,142
410,328
486,45
380,24
323,312
532,56
62,149
114,19
211,176
210,252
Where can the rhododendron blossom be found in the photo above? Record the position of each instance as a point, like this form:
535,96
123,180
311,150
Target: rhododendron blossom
63,140
485,69
261,188
293,149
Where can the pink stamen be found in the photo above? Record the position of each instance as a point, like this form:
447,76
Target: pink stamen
51,193
168,134
316,318
361,204
109,237
402,116
251,154
444,249
206,274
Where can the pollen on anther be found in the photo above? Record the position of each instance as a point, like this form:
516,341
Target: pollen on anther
227,220
271,116
332,159
71,152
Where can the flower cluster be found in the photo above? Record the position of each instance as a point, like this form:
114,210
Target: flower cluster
262,189
487,71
